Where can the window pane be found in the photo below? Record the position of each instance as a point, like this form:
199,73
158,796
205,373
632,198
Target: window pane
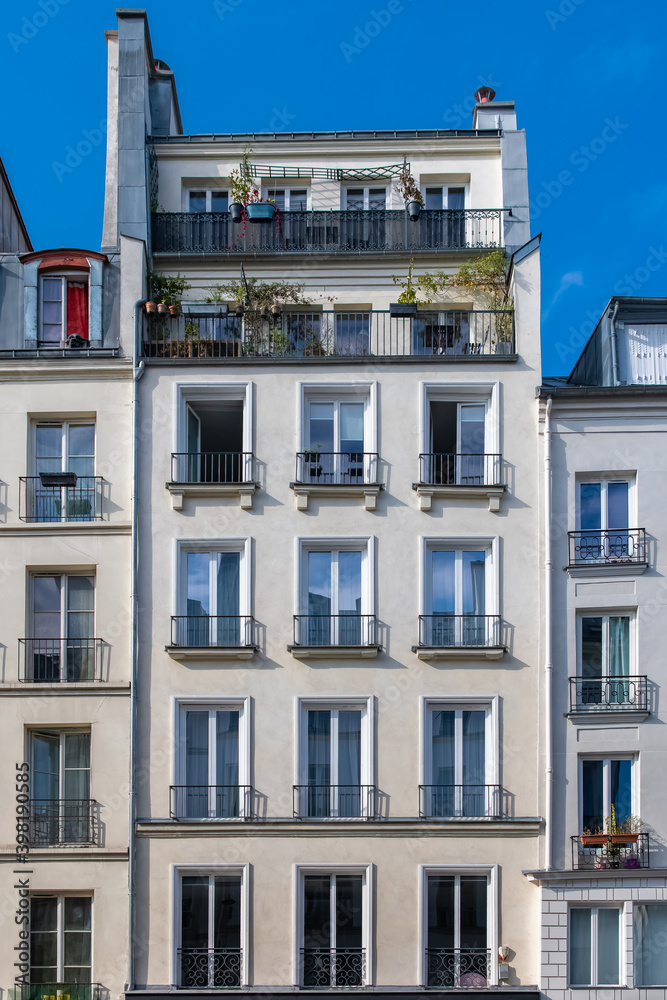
608,947
298,201
443,599
351,427
277,196
77,750
46,766
473,597
593,818
472,429
474,773
316,918
580,947
619,647
319,748
196,758
591,647
456,198
198,201
441,911
198,583
76,946
80,593
349,757
49,441
229,564
43,913
319,583
77,913
377,198
219,201
227,912
322,427
473,911
355,198
589,496
620,792
442,750
46,607
194,911
650,937
617,505
227,748
82,439
349,583
349,890
433,199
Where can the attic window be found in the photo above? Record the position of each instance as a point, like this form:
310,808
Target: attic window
64,307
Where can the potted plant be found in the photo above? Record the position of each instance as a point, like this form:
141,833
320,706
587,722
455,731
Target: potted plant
151,307
241,183
163,308
253,299
408,188
597,839
167,291
626,832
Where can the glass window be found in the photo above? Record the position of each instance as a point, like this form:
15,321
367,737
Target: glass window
198,201
333,765
456,598
208,200
334,598
61,808
219,201
64,308
60,940
334,442
457,952
61,646
355,199
212,600
605,666
210,764
333,952
210,949
606,792
289,199
650,934
456,764
594,946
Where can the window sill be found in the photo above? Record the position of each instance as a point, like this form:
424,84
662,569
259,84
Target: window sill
334,652
608,568
426,492
244,492
452,653
211,653
66,688
304,491
606,715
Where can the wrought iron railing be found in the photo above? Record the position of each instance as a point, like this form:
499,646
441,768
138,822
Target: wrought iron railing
63,821
616,850
469,801
335,630
460,470
328,334
445,630
63,660
332,967
210,801
609,694
213,630
326,468
40,502
329,231
213,467
608,547
335,801
59,991
454,968
209,968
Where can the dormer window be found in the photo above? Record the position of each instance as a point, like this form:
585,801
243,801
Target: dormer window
63,307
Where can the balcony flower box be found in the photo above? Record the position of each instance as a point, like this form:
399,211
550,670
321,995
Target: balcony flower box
594,839
623,838
260,211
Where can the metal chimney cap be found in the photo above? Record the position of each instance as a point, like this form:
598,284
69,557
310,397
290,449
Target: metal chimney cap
484,95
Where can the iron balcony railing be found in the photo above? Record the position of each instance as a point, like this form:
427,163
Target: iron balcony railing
335,801
40,501
209,968
327,334
608,547
58,991
335,630
213,467
460,470
616,850
445,630
458,968
213,630
327,468
326,968
609,694
60,661
460,801
328,231
210,801
63,821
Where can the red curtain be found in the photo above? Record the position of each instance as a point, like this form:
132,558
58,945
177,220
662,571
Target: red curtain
77,309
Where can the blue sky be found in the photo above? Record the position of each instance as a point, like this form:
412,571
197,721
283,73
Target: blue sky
587,77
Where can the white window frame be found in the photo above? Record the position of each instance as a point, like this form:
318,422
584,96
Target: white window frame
366,704
366,189
211,705
205,187
491,872
212,392
341,392
444,187
367,871
606,758
346,543
81,277
65,577
594,906
177,871
60,898
61,732
605,615
490,704
65,424
490,543
184,546
604,479
462,392
267,190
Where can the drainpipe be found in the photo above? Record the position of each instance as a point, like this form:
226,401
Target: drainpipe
615,379
548,665
137,372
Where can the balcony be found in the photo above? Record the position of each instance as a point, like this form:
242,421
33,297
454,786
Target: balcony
60,661
626,697
319,336
212,637
54,823
210,802
336,474
335,801
461,802
209,968
215,474
328,232
57,498
330,968
458,968
462,477
616,850
59,991
621,550
347,637
457,637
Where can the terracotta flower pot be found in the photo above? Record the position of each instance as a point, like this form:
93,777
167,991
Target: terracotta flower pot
162,309
151,307
594,839
175,310
624,838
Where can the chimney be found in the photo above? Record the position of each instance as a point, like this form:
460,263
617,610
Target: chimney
492,114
